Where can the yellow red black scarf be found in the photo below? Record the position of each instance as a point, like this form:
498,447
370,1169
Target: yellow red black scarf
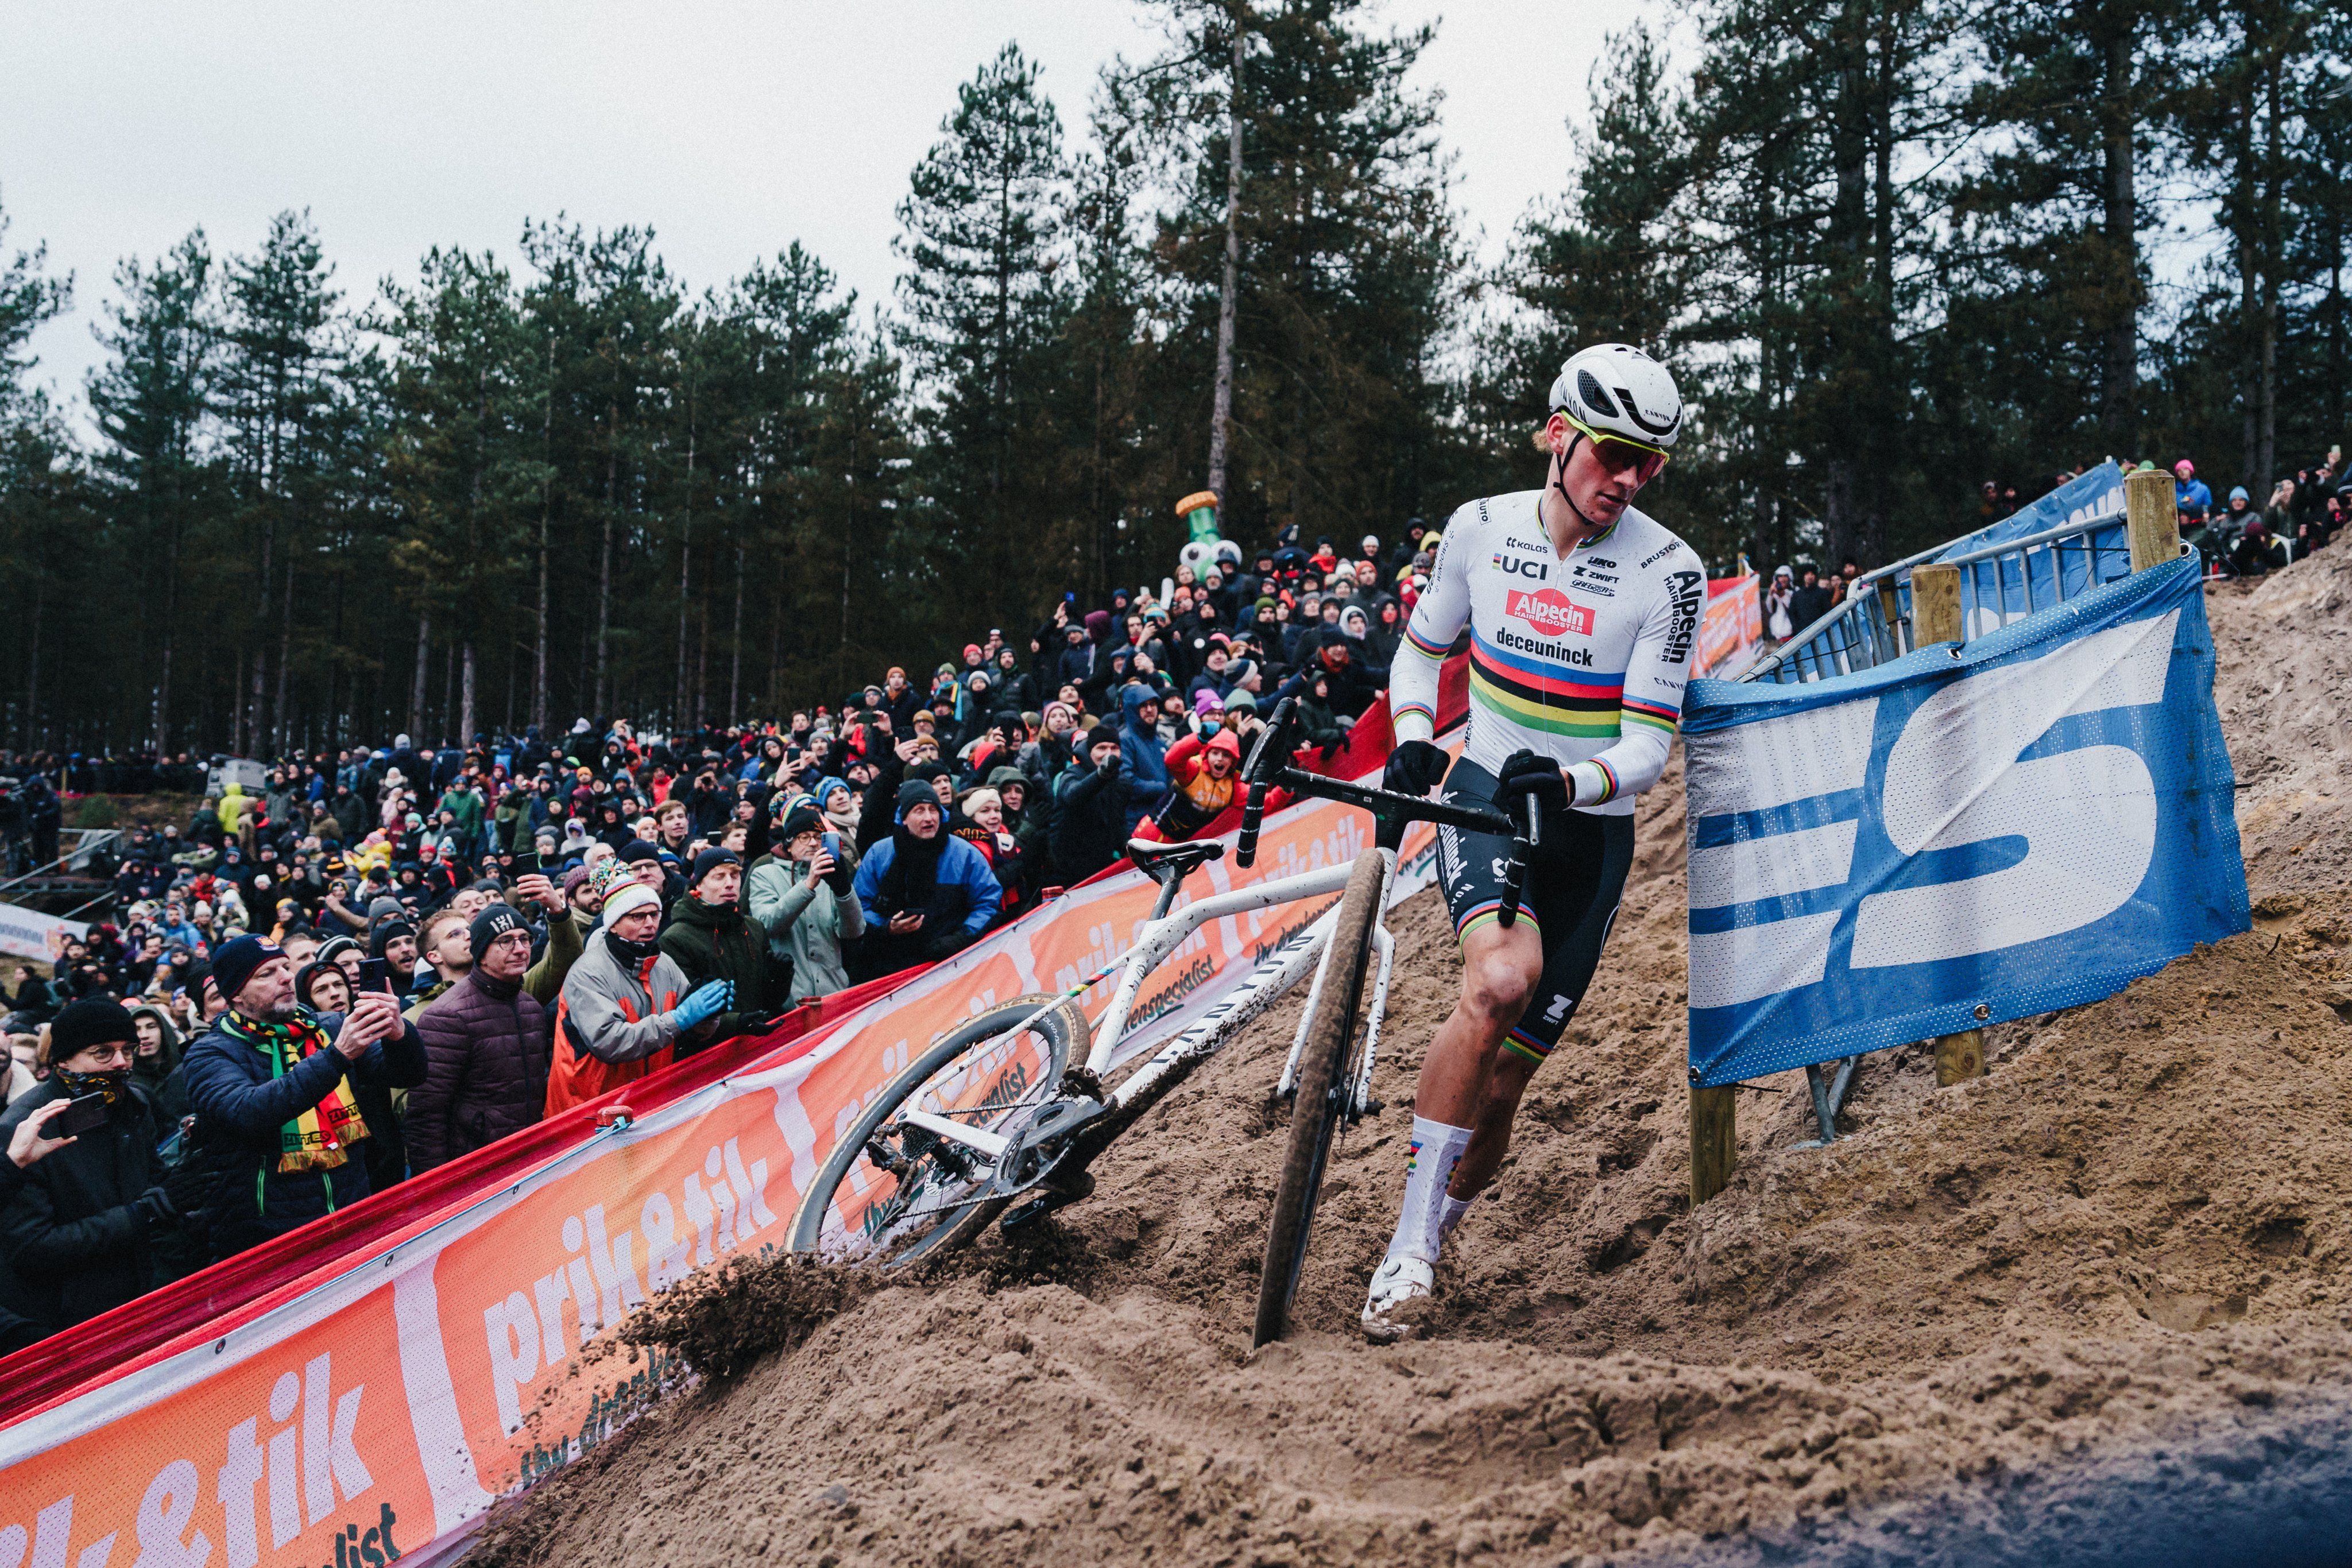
318,1138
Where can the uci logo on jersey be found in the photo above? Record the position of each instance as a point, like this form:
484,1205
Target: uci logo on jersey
1517,566
1550,610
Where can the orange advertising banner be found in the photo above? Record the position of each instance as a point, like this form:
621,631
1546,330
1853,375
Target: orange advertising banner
377,1413
1733,627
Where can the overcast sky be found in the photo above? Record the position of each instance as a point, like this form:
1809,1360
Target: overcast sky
731,129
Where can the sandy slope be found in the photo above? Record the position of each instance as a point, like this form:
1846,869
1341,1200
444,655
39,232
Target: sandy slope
2113,1271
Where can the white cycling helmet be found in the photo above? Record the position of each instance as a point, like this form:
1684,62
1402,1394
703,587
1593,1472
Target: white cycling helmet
1620,390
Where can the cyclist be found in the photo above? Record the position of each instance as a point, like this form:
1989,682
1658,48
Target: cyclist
1581,613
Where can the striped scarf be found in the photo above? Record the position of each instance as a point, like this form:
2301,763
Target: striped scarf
318,1138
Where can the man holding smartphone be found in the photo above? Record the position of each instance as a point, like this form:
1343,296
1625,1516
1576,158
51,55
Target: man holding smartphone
76,1240
271,1085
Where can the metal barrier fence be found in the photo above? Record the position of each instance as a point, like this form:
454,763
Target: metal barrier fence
2000,582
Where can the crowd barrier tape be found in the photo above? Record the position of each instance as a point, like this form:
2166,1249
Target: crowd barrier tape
1960,837
1733,626
375,1408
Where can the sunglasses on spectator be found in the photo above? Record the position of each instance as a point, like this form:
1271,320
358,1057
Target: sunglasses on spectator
1620,453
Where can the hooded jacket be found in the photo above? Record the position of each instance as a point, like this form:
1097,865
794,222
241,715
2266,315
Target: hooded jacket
1143,762
486,1066
806,922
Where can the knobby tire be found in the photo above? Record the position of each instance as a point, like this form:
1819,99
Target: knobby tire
1067,1035
1325,1077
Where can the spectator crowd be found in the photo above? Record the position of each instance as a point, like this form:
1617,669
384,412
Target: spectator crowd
384,958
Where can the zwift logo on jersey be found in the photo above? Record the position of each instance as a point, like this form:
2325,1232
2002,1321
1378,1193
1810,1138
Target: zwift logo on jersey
1550,610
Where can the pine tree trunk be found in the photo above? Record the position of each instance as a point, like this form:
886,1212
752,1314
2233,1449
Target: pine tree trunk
685,565
170,617
2273,265
33,672
604,559
285,655
465,699
546,505
424,656
1221,415
735,670
2119,369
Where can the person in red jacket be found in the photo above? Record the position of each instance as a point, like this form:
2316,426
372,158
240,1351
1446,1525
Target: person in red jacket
1203,779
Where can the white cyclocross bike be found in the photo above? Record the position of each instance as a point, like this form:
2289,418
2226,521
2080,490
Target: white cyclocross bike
992,1120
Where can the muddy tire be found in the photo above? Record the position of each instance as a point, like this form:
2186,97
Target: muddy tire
990,1088
1326,1073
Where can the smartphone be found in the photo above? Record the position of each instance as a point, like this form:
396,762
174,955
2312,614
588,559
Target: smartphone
833,847
83,1116
526,862
374,975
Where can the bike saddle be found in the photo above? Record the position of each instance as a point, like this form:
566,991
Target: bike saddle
1172,863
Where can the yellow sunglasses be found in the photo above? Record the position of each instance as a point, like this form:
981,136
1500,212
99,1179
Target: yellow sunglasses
1619,453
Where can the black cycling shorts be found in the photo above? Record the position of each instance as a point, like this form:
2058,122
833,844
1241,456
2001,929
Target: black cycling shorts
1571,895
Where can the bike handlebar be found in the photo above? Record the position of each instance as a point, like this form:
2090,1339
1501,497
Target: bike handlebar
1268,765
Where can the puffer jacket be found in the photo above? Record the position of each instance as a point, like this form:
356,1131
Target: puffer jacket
239,1109
806,922
615,1021
486,1063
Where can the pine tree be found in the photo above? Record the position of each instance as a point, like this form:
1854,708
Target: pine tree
150,400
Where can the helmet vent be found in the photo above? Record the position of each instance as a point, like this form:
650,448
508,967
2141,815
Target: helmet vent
1589,388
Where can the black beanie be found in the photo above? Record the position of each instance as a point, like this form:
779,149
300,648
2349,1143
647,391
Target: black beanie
637,850
234,961
377,944
494,922
709,860
914,792
802,818
93,1020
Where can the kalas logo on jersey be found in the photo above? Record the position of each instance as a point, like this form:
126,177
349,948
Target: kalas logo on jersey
1550,610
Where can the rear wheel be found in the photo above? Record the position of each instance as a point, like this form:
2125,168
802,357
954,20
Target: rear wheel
890,1192
1327,1076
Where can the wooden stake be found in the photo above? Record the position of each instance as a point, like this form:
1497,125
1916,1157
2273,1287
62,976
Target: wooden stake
1960,1056
1935,604
1714,1139
1890,605
2150,518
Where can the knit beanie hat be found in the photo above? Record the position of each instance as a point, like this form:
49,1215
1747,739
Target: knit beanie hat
711,860
915,792
629,896
385,935
234,961
802,818
494,922
93,1020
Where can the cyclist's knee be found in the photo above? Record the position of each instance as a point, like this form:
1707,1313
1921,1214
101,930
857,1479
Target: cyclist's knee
1498,985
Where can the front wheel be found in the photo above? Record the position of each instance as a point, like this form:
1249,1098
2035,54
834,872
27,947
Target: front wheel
1327,1076
891,1191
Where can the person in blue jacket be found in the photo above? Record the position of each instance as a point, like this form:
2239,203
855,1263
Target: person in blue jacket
2191,497
927,894
1143,759
271,1086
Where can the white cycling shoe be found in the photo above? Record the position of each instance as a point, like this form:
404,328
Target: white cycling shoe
1397,1283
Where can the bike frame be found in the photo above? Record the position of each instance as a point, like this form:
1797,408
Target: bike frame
1168,930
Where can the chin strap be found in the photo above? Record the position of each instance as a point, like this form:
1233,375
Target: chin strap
1560,472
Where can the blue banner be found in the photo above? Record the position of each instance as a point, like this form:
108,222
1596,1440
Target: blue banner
1960,837
1996,592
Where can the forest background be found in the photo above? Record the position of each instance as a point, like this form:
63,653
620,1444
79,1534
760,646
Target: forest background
1891,248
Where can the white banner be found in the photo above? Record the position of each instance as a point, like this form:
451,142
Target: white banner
26,933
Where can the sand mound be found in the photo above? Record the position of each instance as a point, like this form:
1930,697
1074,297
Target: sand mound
2113,1270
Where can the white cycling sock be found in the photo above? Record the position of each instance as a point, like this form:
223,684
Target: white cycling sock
1437,1148
1456,1207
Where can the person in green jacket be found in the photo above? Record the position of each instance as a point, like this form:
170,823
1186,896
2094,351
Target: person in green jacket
800,895
710,938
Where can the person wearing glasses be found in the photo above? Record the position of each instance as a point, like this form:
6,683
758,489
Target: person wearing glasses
1581,613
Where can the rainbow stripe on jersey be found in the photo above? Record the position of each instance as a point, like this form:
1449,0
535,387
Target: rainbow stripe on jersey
1532,695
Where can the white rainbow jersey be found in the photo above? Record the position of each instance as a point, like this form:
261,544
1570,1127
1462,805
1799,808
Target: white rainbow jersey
1581,659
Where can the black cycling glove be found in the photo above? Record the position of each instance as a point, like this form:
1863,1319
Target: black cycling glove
1414,766
1526,773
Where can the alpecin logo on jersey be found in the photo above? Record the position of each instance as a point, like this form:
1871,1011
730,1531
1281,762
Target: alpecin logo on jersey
1548,610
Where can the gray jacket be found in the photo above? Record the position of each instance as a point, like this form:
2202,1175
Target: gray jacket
619,1011
806,922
